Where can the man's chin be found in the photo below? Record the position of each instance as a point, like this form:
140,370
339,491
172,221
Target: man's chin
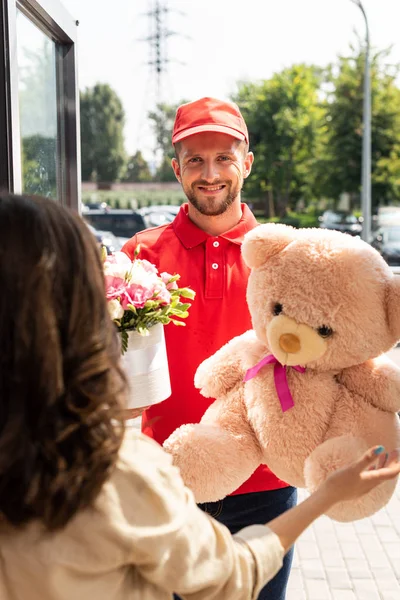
210,209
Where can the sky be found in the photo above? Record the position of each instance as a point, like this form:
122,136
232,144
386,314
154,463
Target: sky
216,44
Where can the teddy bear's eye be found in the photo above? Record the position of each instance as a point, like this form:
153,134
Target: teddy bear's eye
277,309
325,331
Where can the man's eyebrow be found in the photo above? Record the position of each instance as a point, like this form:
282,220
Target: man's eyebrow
189,154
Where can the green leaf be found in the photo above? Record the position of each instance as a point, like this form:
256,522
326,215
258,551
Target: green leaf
187,293
124,341
179,323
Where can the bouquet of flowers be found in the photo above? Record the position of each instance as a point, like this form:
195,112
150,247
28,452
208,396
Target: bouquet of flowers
139,297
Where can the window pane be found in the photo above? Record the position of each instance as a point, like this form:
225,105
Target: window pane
38,109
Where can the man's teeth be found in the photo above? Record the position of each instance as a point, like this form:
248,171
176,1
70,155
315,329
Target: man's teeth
213,189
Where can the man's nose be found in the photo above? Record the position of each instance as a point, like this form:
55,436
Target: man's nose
210,170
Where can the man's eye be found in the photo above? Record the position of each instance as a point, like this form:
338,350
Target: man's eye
224,158
195,159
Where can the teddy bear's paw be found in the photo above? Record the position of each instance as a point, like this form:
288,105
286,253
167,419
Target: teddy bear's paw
365,506
213,381
334,454
207,457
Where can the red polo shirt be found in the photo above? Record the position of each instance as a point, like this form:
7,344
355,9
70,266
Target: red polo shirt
213,267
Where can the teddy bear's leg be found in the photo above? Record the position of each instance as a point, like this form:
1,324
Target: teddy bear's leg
218,454
333,454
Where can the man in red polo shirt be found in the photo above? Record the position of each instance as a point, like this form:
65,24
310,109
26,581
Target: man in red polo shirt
203,244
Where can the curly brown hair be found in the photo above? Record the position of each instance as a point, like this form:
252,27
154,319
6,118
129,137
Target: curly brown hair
61,386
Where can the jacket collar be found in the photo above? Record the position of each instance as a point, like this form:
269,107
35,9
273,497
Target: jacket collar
190,235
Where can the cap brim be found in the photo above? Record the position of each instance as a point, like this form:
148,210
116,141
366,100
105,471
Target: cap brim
212,127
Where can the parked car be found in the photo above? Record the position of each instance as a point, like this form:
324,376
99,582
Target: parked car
122,223
94,206
341,220
387,242
158,214
106,239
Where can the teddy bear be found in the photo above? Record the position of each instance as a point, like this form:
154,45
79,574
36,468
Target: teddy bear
309,388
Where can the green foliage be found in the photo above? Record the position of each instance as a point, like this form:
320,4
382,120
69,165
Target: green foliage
39,160
286,129
124,340
102,141
134,198
162,119
340,166
309,218
165,171
137,169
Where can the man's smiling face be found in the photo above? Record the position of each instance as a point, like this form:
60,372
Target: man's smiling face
211,168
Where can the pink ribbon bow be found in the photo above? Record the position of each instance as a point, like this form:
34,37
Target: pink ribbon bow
281,382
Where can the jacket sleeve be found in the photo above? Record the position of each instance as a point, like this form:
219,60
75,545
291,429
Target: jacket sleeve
179,548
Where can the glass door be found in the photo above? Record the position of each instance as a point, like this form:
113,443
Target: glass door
42,116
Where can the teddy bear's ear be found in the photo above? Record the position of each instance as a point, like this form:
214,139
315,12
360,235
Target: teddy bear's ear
393,306
265,241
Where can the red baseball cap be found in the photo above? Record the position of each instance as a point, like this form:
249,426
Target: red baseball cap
209,114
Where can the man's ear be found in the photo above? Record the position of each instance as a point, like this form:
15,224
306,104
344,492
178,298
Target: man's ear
176,168
248,162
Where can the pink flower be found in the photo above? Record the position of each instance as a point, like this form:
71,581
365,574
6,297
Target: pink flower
148,266
163,295
166,277
115,286
137,295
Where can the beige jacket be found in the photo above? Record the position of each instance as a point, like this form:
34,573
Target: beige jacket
144,539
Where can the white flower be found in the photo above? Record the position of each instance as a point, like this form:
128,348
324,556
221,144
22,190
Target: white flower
115,309
117,265
143,277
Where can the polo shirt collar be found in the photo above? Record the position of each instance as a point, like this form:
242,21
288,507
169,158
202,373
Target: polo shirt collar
190,235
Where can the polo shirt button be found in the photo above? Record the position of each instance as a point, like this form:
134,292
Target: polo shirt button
215,265
215,244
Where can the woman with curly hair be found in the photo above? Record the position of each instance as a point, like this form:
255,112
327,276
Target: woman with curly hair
87,512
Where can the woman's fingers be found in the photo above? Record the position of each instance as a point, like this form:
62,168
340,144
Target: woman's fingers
389,471
377,465
370,459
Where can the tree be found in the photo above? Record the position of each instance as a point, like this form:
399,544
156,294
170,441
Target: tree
163,118
286,129
137,169
39,163
102,141
340,169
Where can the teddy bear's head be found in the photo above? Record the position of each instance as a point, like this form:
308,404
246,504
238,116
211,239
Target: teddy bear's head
320,298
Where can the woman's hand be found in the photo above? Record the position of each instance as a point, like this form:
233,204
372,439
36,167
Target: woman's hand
349,483
372,469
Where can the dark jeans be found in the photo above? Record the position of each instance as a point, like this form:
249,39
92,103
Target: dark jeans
242,510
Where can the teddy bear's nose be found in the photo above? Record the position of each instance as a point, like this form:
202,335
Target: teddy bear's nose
289,343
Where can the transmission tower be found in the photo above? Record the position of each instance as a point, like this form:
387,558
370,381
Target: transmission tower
158,89
159,33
